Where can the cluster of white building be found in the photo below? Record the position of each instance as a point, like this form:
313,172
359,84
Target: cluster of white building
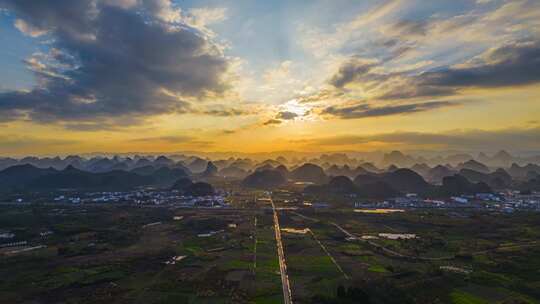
505,202
146,197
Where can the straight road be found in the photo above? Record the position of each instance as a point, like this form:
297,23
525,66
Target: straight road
287,295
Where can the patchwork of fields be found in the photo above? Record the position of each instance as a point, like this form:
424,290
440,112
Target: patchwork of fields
110,254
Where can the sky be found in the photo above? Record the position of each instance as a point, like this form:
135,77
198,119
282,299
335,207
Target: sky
261,76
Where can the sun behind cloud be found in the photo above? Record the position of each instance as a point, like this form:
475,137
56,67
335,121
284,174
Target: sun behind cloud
230,76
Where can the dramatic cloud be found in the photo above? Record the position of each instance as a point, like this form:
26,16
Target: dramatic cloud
286,115
324,41
408,28
352,70
289,111
365,110
405,57
201,17
512,64
321,95
112,58
119,73
370,77
272,122
27,29
516,63
226,112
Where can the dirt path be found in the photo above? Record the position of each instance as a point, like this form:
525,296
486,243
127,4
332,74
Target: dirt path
328,254
513,246
390,251
380,247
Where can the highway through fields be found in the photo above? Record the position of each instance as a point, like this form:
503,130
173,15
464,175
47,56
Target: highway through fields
287,295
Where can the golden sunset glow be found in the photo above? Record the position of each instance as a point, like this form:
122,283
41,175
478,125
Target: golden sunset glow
354,80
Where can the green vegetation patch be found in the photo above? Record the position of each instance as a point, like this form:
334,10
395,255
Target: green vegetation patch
72,275
320,264
377,268
460,297
276,299
237,264
324,287
490,278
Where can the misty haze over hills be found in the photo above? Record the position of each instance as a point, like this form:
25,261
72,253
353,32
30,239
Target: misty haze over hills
385,175
197,162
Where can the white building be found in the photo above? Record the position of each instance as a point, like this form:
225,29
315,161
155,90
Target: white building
460,200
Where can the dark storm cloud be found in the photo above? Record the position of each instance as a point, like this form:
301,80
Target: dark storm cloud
365,110
109,61
286,115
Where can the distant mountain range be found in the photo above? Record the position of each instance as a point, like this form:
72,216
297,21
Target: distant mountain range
29,177
197,164
500,159
401,181
395,172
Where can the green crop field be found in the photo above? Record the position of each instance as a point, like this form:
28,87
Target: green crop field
109,254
